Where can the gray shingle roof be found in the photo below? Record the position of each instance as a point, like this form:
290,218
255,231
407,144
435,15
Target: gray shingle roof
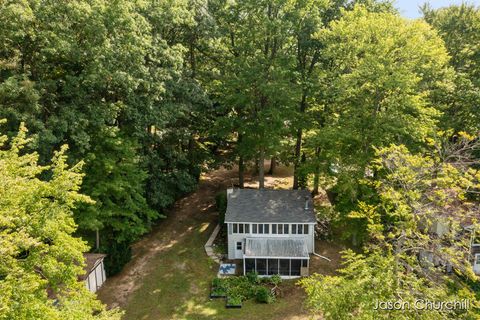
281,247
266,205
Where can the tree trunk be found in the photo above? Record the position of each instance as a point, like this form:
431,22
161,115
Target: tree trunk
241,172
97,240
316,174
261,169
298,145
273,165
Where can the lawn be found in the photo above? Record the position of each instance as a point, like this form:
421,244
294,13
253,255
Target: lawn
178,288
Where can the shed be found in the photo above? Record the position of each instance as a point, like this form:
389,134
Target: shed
95,275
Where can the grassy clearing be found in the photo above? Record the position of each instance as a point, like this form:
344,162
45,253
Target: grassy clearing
179,286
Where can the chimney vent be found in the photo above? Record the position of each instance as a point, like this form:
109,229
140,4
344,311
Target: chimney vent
306,203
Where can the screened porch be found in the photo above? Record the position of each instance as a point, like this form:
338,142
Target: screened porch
267,256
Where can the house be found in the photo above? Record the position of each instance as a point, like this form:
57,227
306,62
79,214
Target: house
272,231
441,226
94,275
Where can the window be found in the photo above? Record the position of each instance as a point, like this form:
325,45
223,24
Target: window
304,263
294,229
272,266
254,227
239,245
262,266
279,228
284,267
249,265
295,267
305,229
274,229
240,228
285,228
260,228
266,228
300,228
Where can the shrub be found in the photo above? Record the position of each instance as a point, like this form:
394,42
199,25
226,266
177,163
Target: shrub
264,295
275,280
252,277
221,203
234,300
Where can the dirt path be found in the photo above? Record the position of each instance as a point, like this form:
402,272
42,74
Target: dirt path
196,207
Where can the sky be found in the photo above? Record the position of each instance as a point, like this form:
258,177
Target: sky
410,8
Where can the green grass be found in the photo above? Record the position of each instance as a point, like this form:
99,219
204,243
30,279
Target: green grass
178,287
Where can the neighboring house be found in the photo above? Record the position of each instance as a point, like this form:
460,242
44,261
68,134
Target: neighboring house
441,227
94,275
272,231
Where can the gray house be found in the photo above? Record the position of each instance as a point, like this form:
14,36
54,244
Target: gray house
272,231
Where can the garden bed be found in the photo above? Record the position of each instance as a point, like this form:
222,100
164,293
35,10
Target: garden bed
236,290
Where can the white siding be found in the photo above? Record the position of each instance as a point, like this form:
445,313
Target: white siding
96,278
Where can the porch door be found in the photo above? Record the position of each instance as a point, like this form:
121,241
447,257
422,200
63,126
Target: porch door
476,263
239,250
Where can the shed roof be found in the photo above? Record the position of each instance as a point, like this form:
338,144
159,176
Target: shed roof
266,205
91,261
276,247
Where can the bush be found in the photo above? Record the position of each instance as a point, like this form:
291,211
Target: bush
252,277
275,280
118,254
234,300
264,295
221,203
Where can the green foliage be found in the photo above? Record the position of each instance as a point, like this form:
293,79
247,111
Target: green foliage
253,277
119,254
406,253
245,288
109,79
234,300
275,279
380,86
459,27
264,295
40,259
221,203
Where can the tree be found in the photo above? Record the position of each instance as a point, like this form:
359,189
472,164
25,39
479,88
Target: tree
406,258
382,77
109,79
40,258
459,27
255,78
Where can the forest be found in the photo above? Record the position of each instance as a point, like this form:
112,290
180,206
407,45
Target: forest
111,110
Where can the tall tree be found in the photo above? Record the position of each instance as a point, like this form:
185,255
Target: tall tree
40,259
407,255
459,27
382,76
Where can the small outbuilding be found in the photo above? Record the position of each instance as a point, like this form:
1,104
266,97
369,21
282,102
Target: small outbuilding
95,275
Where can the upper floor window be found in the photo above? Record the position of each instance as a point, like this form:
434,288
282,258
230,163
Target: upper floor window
299,228
279,228
261,228
240,228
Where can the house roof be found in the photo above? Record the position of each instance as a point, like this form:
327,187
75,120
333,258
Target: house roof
266,205
276,247
91,261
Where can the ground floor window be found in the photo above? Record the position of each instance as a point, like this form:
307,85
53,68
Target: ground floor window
283,267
